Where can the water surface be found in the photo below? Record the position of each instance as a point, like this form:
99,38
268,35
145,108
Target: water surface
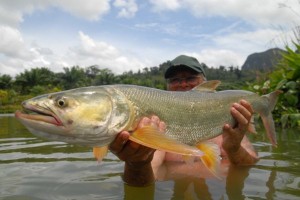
34,168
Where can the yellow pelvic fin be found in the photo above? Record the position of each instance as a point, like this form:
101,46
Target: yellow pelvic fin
100,152
207,86
151,137
211,157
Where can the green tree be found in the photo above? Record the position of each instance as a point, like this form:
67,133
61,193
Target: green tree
30,78
5,81
104,77
73,77
286,78
91,73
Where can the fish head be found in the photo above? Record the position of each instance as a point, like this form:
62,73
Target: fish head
83,116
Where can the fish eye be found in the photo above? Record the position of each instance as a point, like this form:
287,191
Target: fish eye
61,102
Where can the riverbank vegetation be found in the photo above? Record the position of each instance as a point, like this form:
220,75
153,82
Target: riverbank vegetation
286,77
41,80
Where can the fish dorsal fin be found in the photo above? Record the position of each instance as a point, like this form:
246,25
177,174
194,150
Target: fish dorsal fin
207,86
151,137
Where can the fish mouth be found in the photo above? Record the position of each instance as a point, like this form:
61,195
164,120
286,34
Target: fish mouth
37,113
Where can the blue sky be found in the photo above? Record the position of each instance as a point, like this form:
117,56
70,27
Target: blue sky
125,35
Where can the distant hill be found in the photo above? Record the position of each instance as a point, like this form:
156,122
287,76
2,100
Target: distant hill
264,61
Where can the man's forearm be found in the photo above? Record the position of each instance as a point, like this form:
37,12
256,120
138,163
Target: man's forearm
242,157
138,174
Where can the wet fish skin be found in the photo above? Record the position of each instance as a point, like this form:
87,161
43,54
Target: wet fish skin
95,115
200,114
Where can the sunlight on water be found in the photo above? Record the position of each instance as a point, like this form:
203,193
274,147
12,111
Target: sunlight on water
33,168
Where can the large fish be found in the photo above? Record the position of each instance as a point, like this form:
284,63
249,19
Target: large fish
95,115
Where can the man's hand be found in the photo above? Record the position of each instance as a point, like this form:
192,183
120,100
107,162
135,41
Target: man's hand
232,136
237,146
138,170
132,152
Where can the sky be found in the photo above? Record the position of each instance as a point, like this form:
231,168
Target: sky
124,35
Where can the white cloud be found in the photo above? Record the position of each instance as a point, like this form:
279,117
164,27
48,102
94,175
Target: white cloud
19,55
13,11
89,47
268,12
91,9
160,5
226,46
216,57
11,43
165,28
9,17
249,41
91,52
128,8
232,49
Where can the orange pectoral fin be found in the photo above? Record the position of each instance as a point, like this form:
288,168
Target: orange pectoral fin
100,152
151,137
211,157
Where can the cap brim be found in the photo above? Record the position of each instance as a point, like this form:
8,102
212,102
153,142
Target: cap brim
173,68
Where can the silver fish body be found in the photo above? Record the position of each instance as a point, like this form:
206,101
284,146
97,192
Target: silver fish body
95,115
194,116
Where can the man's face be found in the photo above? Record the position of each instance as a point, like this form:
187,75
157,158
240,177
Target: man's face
184,80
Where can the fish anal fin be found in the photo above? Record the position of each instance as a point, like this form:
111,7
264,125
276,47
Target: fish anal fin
207,86
211,157
151,137
100,152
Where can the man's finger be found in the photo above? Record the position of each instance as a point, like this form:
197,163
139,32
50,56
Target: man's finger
238,116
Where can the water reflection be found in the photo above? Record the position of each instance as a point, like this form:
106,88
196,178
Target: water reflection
33,168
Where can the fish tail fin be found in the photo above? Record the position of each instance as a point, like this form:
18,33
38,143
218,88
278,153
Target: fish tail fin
267,116
270,129
211,157
100,152
151,137
272,97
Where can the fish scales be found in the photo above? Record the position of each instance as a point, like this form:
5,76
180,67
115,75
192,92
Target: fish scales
190,116
95,115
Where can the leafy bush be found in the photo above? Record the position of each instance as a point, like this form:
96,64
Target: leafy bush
286,77
3,97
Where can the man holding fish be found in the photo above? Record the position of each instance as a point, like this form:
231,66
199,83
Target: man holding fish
200,122
184,74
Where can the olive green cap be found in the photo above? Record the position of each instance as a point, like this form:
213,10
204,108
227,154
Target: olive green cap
184,61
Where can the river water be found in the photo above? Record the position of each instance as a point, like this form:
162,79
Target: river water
33,168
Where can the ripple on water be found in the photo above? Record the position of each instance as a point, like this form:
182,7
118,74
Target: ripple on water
33,168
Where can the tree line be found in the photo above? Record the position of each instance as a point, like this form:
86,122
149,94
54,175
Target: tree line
41,80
